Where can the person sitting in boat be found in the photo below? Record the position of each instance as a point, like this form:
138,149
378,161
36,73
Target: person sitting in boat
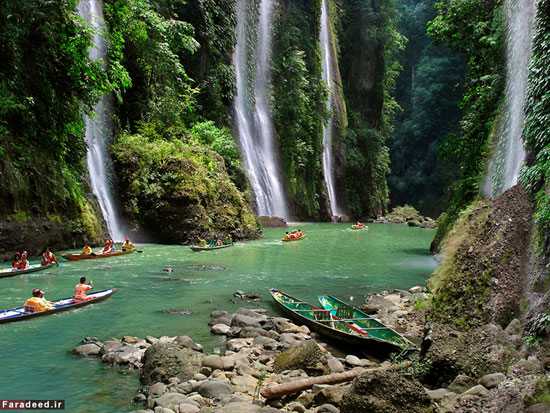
16,261
112,244
86,250
48,257
81,289
299,233
287,236
292,235
24,264
127,246
107,249
202,242
228,240
215,242
38,302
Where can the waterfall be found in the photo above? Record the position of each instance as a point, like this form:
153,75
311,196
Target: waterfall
509,154
255,128
98,129
327,59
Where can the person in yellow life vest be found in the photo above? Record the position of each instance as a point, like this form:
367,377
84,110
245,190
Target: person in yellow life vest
81,289
24,264
287,236
38,302
202,242
86,250
128,245
49,258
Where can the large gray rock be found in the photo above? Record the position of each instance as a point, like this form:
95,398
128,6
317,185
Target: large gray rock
124,355
156,390
335,365
170,400
308,357
385,392
375,303
265,342
220,329
331,395
214,387
490,381
185,341
241,320
213,361
477,390
110,345
165,360
250,313
220,317
88,350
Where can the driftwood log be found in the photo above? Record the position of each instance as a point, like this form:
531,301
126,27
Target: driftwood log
301,385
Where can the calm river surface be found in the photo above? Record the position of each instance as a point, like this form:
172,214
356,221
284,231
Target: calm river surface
333,259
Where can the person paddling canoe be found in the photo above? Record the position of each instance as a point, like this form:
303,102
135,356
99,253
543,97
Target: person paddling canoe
128,245
49,258
37,302
81,289
202,242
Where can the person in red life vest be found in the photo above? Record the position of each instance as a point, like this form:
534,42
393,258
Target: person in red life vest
48,258
81,289
107,249
38,302
16,261
24,264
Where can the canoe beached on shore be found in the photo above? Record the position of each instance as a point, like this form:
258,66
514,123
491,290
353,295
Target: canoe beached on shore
375,329
94,255
325,323
217,247
8,272
19,313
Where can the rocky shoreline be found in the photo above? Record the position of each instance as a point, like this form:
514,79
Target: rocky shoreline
266,354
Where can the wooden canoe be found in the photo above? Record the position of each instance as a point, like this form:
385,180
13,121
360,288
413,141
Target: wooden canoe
325,323
355,227
93,255
8,272
198,248
357,318
19,313
295,239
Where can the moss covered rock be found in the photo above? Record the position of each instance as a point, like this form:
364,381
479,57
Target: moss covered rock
307,356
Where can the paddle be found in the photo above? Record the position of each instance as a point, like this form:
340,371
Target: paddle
139,251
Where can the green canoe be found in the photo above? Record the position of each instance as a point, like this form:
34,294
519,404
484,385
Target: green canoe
374,328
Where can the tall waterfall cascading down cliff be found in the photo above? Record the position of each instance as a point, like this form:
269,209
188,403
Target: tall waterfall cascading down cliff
327,59
255,128
504,167
99,131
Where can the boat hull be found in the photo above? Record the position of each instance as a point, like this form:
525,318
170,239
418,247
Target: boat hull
19,314
93,255
344,333
196,248
7,272
294,239
364,322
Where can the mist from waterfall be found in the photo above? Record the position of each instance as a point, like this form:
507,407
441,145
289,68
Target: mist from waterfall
509,153
255,127
326,62
98,129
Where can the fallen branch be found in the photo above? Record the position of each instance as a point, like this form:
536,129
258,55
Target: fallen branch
299,385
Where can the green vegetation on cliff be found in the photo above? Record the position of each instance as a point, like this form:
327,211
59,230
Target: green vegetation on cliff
536,174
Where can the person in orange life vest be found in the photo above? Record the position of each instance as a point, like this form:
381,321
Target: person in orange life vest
48,257
24,264
16,261
81,289
38,301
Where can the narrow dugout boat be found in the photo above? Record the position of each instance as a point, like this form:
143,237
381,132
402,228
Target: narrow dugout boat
375,329
339,329
294,239
8,272
355,227
93,255
199,248
19,313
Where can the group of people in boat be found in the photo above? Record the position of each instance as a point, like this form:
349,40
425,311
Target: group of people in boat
216,242
109,247
360,225
20,261
38,303
297,233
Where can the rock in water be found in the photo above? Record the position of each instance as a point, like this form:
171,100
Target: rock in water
385,392
307,356
177,311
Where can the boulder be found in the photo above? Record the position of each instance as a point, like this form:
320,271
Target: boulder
187,387
461,383
220,317
213,361
110,345
331,395
375,303
165,360
124,355
214,387
156,390
385,392
170,400
265,342
236,344
220,329
490,381
307,356
439,395
477,390
335,366
250,313
88,350
514,328
185,341
188,407
353,361
241,320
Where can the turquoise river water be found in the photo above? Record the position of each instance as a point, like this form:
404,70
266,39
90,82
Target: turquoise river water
333,259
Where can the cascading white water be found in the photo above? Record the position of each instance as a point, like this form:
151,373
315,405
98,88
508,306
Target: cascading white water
256,130
326,62
98,130
509,154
